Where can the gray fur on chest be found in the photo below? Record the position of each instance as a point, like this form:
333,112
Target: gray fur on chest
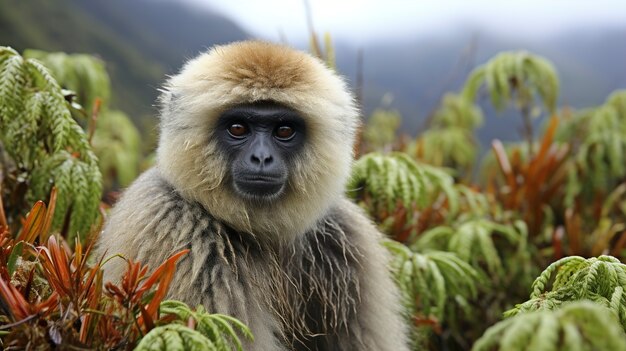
292,291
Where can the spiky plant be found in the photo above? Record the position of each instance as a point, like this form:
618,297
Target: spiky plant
46,146
531,185
577,326
518,77
53,298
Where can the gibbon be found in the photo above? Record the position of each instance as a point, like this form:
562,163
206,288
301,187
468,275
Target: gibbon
254,152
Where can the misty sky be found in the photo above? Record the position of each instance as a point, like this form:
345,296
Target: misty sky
362,20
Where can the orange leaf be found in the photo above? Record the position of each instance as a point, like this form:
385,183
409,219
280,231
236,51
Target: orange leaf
146,319
164,274
573,225
3,217
159,271
503,162
33,223
60,259
45,229
20,308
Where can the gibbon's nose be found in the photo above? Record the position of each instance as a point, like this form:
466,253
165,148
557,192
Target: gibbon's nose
261,157
261,152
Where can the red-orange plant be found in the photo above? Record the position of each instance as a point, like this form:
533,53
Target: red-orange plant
531,186
51,294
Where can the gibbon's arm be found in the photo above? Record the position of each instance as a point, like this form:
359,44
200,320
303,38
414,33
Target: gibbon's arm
378,322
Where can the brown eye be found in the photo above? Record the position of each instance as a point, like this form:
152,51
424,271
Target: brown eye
285,133
237,130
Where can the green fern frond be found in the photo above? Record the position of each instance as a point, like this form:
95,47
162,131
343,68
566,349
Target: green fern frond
222,331
525,74
598,136
473,241
601,279
84,74
448,147
581,325
433,280
175,337
456,111
395,177
388,178
117,144
381,127
43,139
618,100
449,140
472,203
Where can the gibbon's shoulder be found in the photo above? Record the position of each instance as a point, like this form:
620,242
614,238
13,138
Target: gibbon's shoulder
353,221
150,186
150,197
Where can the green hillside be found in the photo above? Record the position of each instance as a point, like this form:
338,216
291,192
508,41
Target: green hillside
140,41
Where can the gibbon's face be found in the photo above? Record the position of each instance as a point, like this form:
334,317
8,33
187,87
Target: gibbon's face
260,141
260,134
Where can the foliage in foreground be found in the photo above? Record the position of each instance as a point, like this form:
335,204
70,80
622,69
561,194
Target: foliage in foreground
53,297
581,325
575,304
435,285
204,331
602,280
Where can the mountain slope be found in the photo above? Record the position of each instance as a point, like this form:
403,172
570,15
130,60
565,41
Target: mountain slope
140,40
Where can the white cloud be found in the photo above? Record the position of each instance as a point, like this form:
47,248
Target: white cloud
361,20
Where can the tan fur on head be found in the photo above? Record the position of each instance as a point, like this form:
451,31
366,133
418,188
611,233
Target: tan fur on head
248,72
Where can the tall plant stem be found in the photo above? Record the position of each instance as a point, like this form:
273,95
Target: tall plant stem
528,128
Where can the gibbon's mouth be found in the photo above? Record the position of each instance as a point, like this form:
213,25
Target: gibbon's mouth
259,186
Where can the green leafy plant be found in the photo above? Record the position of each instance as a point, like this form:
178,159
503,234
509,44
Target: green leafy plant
380,131
203,331
115,141
393,187
519,77
473,242
601,279
598,136
85,75
433,284
450,140
46,147
581,325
